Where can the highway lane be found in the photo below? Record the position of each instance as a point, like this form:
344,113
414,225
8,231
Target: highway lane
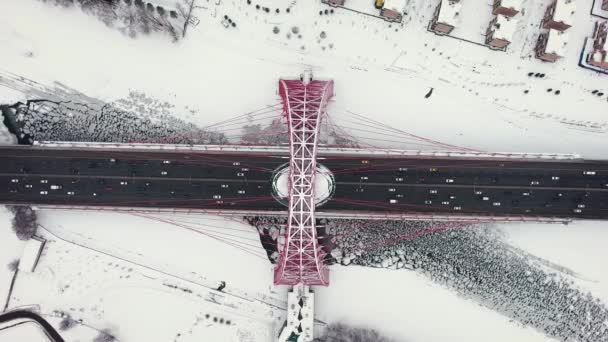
477,187
157,179
242,182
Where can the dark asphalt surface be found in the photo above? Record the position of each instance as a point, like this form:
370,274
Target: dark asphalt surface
24,314
242,182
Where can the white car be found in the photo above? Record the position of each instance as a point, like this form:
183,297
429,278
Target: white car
578,211
124,182
224,186
56,187
478,192
432,191
163,173
240,174
392,201
449,180
217,196
166,162
555,178
364,178
241,192
28,186
392,190
526,194
534,183
44,192
14,180
428,202
496,204
398,179
445,202
44,181
589,173
70,193
457,208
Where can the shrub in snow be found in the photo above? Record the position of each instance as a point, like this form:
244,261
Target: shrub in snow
339,332
67,323
105,335
13,265
24,222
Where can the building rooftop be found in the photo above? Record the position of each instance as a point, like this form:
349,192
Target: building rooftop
395,5
564,11
556,42
504,28
448,13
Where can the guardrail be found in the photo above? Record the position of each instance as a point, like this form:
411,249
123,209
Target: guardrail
319,214
323,151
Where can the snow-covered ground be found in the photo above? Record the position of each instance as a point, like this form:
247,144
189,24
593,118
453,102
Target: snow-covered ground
10,250
408,307
150,281
579,246
6,137
24,331
382,71
383,74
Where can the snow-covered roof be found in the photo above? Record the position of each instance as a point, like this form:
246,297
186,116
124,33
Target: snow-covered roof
515,4
395,5
564,11
556,42
448,12
504,28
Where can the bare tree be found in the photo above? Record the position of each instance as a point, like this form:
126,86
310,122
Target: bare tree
24,221
186,13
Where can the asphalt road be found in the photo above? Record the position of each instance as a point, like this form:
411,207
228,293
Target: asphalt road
242,182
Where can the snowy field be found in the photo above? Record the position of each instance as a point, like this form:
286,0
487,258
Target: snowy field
24,331
482,88
154,292
10,251
162,287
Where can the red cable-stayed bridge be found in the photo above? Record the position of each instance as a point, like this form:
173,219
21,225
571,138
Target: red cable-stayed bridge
456,185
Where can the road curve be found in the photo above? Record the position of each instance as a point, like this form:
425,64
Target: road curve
24,314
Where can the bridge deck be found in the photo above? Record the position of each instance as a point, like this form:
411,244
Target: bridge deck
241,181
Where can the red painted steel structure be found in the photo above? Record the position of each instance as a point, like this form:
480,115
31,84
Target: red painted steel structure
301,258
